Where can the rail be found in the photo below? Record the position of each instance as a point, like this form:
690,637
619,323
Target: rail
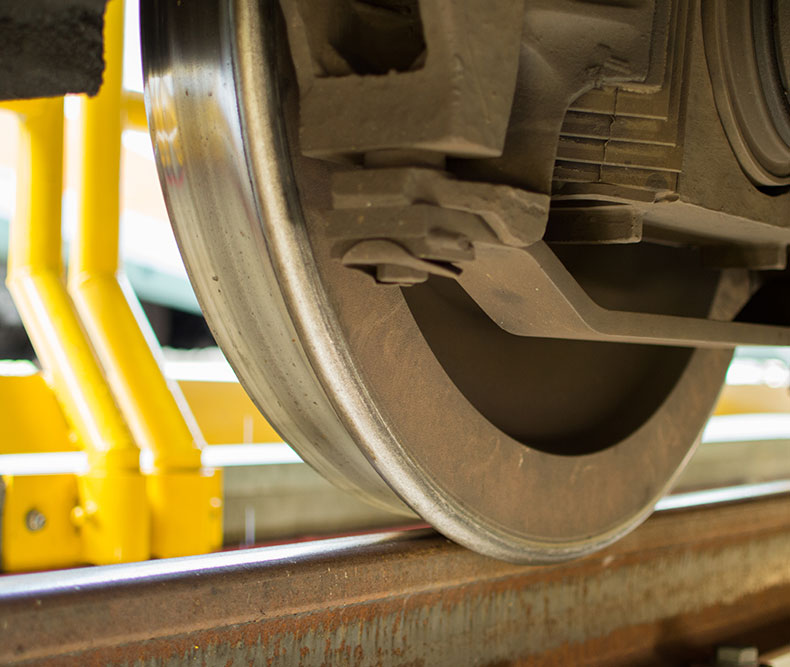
681,584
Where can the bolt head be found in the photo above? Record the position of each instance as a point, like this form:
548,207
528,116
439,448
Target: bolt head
35,520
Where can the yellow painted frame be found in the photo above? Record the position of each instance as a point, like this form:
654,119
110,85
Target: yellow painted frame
110,531
96,357
184,498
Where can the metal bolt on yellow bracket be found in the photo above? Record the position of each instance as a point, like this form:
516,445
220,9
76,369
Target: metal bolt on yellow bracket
37,531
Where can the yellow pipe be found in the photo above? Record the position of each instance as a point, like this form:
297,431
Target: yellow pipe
184,498
133,107
113,511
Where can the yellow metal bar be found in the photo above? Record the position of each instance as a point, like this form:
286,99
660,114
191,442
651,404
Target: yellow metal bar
32,420
225,413
184,498
133,107
112,494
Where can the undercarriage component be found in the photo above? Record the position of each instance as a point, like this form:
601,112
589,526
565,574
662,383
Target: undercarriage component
548,303
50,47
554,170
449,67
516,217
748,61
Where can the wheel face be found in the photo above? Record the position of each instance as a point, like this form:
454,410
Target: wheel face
560,396
360,378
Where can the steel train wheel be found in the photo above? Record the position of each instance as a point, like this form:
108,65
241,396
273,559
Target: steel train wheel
528,450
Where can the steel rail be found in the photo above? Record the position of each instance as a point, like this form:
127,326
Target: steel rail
666,594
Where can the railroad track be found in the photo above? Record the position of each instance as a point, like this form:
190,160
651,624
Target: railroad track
684,582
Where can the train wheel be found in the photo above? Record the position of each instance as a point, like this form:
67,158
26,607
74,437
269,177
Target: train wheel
525,449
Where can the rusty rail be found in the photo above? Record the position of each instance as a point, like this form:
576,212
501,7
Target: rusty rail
667,594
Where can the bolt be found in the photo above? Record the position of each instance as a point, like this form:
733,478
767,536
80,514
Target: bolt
35,520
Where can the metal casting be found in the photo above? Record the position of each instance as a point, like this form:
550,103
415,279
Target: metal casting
569,181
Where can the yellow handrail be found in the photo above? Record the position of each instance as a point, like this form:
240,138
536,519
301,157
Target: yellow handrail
184,498
113,512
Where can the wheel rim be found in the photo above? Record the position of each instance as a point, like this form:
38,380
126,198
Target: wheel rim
340,365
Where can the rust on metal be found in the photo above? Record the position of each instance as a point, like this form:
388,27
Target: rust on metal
679,585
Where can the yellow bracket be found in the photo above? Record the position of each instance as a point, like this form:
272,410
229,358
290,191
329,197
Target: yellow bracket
185,499
37,529
102,368
35,279
33,422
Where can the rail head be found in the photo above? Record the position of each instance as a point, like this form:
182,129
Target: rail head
408,596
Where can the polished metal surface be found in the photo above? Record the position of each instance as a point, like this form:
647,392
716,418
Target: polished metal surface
338,364
228,243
